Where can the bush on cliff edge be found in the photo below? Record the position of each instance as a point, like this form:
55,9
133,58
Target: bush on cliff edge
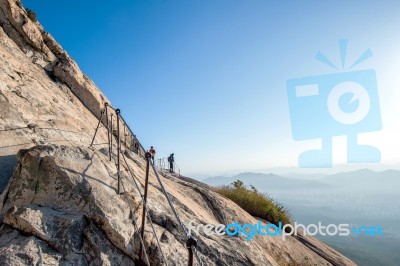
255,203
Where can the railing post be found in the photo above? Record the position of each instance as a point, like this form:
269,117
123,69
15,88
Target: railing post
146,185
97,128
118,152
111,132
125,134
189,243
108,131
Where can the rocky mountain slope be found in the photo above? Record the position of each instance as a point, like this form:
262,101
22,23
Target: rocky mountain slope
59,204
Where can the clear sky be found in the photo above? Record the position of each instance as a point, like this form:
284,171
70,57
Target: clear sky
207,79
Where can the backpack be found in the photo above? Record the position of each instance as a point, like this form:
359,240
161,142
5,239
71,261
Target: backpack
169,159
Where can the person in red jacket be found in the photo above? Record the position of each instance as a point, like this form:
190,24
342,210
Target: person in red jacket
152,152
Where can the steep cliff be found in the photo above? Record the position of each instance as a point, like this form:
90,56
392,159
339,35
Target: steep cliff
44,97
59,203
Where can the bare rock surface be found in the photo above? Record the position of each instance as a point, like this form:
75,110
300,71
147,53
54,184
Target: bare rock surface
59,204
44,97
64,198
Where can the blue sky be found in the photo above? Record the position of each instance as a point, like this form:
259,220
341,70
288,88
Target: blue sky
207,79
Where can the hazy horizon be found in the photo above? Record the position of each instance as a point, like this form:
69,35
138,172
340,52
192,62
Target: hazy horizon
358,198
294,170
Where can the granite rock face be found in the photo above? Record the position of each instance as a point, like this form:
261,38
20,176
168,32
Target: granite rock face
59,204
44,96
62,200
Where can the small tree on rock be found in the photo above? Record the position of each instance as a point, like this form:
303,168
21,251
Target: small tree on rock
31,15
238,184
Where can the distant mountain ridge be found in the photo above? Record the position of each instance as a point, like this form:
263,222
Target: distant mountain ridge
363,176
263,181
270,181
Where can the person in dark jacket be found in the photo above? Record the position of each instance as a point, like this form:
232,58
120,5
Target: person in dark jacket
171,163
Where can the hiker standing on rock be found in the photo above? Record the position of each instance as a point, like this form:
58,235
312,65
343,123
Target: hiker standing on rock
152,152
171,163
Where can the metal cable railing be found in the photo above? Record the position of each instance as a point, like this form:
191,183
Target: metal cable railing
164,165
111,155
191,242
147,212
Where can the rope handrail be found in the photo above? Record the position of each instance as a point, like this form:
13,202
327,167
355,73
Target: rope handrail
191,242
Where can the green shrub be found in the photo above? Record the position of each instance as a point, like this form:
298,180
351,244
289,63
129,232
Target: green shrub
31,15
256,203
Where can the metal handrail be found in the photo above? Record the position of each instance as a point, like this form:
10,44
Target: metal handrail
104,111
191,243
147,212
176,167
129,129
163,164
192,246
